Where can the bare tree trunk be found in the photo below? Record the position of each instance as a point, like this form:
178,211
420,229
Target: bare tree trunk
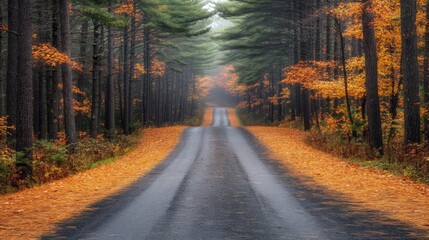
110,86
410,71
53,91
12,64
126,123
95,81
346,87
426,78
24,111
83,75
69,114
371,83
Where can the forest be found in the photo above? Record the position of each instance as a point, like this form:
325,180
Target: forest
214,119
81,75
77,77
355,72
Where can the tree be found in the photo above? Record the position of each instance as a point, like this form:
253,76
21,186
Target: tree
410,71
371,82
12,62
110,85
69,115
24,111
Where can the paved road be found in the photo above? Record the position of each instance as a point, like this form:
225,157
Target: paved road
219,185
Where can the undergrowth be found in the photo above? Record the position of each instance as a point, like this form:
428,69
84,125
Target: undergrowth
408,161
52,160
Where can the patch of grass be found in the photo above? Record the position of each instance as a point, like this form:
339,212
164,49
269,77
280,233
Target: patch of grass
102,162
253,119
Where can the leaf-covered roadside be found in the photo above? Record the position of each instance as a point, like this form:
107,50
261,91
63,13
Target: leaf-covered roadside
52,160
30,213
396,197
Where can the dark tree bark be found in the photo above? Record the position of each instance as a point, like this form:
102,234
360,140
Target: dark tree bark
147,77
126,121
110,85
306,104
371,82
43,127
410,71
83,77
345,76
3,112
95,81
24,111
69,114
12,63
426,78
53,91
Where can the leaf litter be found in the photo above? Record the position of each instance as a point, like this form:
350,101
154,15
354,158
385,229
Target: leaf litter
35,211
397,197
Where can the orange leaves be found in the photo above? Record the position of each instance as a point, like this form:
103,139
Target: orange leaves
139,70
367,189
5,151
48,54
158,68
41,208
203,87
126,8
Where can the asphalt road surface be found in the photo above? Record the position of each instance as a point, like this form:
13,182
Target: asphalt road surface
219,184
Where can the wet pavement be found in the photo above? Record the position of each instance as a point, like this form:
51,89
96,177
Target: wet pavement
219,184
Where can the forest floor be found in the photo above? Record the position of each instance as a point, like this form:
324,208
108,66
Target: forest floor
395,196
33,212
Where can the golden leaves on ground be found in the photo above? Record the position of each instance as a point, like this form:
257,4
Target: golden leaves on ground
32,212
397,197
233,118
208,117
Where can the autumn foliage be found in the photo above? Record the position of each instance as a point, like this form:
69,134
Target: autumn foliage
48,54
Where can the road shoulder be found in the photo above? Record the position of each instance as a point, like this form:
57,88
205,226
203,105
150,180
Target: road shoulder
394,196
33,212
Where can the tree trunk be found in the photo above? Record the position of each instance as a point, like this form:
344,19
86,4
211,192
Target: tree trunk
346,88
126,123
110,86
95,81
371,82
53,91
147,76
69,115
12,64
410,71
24,110
83,75
426,78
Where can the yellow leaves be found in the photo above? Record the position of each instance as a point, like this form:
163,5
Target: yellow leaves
139,70
49,55
158,68
312,75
